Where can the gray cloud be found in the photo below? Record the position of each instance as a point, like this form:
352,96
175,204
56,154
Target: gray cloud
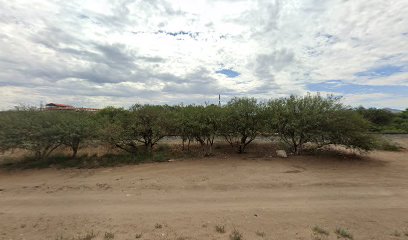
108,51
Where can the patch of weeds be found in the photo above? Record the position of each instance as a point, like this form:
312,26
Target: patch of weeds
88,236
396,234
158,226
236,235
388,145
60,161
319,233
181,238
406,233
138,235
318,230
220,228
109,236
61,237
343,233
260,234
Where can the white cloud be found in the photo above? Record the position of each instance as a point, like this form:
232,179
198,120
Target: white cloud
102,53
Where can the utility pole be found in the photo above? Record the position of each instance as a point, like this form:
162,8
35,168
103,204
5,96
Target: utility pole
219,100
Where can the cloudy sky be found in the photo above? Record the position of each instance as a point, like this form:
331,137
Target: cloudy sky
119,52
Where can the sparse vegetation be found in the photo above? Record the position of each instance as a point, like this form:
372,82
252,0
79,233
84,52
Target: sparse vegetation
396,233
343,233
387,145
236,235
89,236
220,228
319,233
181,238
318,230
138,235
158,226
260,234
109,236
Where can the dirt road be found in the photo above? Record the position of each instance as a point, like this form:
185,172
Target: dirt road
262,198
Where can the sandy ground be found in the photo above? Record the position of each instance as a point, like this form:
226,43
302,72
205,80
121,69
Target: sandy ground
283,198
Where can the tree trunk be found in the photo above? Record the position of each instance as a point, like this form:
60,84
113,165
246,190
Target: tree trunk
75,147
182,146
74,151
242,145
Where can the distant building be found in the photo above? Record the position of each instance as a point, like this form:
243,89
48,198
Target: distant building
57,106
64,107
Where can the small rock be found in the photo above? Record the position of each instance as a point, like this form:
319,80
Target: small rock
281,153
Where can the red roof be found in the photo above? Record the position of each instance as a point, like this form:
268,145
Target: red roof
57,105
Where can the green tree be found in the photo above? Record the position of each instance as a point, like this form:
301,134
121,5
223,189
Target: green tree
76,128
185,123
116,128
37,131
242,121
401,121
319,120
380,119
150,123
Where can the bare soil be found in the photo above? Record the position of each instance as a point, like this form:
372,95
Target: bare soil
281,198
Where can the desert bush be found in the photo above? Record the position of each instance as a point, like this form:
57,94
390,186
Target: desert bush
236,235
343,233
220,228
260,234
319,233
108,236
387,145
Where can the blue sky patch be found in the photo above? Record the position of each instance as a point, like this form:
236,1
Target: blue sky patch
341,87
229,73
383,71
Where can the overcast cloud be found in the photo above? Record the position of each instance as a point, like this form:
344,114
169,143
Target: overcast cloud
119,52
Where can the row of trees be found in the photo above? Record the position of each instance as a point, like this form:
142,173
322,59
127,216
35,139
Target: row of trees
296,120
385,121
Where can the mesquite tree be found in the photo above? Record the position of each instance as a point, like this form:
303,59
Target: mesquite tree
150,124
242,121
185,124
76,128
116,128
205,126
318,120
37,131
